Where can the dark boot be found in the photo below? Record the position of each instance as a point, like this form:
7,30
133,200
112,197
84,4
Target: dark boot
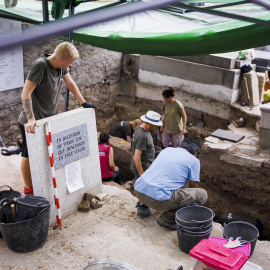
143,211
167,219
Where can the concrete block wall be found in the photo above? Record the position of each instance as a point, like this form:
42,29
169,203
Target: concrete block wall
225,60
204,88
262,59
172,70
264,134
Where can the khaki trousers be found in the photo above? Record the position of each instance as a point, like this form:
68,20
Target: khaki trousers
180,198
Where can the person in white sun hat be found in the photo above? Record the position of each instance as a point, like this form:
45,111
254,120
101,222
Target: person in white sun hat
143,151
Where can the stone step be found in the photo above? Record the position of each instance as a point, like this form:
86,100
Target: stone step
189,71
223,60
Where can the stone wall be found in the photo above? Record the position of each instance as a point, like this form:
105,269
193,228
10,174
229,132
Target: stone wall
9,112
204,84
96,72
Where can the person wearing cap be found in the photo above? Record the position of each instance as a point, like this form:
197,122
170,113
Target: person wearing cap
161,186
124,129
143,151
175,119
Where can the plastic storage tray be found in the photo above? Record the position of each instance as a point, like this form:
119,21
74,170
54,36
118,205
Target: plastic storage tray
211,255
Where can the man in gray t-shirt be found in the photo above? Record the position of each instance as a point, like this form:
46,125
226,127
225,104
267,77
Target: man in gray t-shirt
46,96
142,140
41,95
143,151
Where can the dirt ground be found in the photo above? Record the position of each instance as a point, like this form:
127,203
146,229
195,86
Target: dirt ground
111,232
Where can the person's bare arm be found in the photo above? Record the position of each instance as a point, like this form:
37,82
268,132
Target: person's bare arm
128,138
111,161
184,117
163,126
266,76
72,86
193,184
137,161
27,91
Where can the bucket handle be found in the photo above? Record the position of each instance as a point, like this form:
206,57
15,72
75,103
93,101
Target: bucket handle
42,211
7,186
5,200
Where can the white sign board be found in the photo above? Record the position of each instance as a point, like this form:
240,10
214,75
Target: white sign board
70,145
11,59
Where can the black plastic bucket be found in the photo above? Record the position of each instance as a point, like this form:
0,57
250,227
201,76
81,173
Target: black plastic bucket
242,229
25,235
194,216
202,232
9,194
197,229
187,241
29,206
230,217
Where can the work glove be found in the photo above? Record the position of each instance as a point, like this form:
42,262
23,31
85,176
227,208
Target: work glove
89,105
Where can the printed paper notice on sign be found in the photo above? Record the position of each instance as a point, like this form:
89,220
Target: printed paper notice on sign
11,59
74,176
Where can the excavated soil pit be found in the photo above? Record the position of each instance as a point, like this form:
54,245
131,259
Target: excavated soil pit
235,175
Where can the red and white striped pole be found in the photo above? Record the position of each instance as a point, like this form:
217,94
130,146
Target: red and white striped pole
50,150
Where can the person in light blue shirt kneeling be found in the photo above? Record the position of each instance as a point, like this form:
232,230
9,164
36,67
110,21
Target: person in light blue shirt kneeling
161,186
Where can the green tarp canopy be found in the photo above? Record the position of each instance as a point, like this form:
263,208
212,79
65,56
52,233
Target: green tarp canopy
164,32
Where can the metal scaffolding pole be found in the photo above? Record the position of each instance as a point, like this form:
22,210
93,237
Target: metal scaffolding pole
71,12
